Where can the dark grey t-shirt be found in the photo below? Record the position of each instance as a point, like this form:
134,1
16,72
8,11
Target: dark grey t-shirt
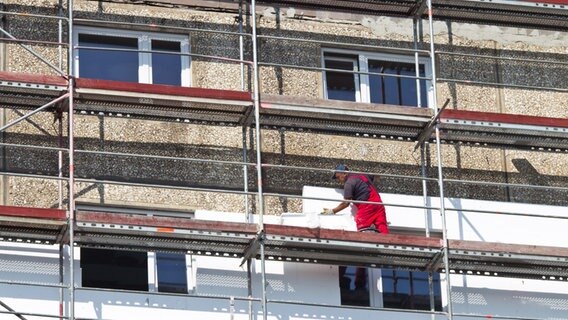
356,189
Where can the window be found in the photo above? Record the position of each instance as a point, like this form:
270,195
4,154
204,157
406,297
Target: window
354,286
172,272
114,269
398,289
128,270
384,78
135,270
390,288
132,56
409,290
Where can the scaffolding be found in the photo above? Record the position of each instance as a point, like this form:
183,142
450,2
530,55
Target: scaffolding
66,94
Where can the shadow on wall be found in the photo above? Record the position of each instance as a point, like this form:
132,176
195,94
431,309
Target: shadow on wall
523,304
168,172
106,305
528,174
460,67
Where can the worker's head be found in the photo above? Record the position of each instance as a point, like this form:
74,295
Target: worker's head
338,174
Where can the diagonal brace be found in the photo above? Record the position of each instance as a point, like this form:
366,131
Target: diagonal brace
37,55
418,9
7,307
15,121
427,131
252,250
435,263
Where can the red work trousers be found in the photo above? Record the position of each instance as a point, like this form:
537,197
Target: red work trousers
372,214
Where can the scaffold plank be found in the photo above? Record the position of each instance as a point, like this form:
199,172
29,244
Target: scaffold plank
343,235
38,79
169,224
343,110
159,233
340,247
29,212
520,131
31,225
205,93
283,243
508,260
494,247
161,102
500,118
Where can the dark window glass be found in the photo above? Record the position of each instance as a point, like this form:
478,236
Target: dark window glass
166,68
340,85
107,64
409,290
354,286
395,90
114,269
172,276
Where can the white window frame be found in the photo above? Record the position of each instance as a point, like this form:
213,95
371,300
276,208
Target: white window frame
144,44
190,272
357,80
362,86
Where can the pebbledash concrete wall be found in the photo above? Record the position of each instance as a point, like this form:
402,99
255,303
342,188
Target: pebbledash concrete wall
281,146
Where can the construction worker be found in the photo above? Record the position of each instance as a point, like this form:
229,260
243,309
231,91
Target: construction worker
369,217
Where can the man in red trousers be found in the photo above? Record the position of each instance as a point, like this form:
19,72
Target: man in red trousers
359,187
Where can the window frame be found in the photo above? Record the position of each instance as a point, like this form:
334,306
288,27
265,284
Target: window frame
363,85
356,76
151,256
144,40
375,275
190,273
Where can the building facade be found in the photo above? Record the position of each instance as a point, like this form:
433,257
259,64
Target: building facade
154,152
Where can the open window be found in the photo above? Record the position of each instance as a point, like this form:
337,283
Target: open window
124,55
376,78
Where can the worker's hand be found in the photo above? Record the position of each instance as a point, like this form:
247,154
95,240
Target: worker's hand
327,211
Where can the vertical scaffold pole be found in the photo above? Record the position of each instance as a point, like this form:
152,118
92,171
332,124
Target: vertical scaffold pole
432,56
440,171
61,14
256,98
243,87
444,228
256,90
71,205
423,155
241,45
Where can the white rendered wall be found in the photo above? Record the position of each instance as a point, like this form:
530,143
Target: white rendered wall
478,294
216,280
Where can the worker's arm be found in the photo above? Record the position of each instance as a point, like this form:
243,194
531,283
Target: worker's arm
335,210
341,206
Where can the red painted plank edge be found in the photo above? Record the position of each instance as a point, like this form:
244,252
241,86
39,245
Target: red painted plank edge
27,212
33,78
342,235
494,247
504,118
165,222
162,89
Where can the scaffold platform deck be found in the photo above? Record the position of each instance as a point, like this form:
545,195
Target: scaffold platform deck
283,243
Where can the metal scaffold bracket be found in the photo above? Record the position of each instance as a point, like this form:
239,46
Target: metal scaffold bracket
418,9
427,131
252,250
435,263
